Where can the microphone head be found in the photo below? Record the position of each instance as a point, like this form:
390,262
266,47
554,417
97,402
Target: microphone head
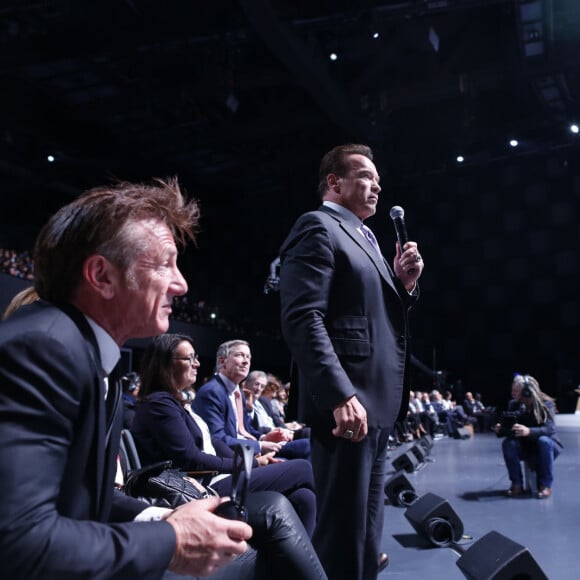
397,212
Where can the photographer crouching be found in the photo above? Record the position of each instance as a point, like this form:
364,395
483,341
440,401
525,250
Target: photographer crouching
530,435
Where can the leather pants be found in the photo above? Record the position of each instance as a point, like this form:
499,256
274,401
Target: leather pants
280,546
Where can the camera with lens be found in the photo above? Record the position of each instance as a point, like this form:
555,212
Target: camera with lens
507,420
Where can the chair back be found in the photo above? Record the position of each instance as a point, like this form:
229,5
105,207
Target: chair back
129,448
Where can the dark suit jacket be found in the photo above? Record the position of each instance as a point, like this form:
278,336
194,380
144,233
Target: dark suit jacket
56,471
163,430
344,318
212,403
267,404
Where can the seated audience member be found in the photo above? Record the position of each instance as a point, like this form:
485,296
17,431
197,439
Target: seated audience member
280,400
261,415
165,427
217,403
272,390
99,285
449,413
532,438
264,418
444,411
475,408
278,393
130,383
426,422
471,405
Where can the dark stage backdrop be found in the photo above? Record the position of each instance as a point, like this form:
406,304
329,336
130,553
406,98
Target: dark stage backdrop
500,290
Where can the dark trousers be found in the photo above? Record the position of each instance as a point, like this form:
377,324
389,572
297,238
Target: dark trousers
296,449
540,453
350,480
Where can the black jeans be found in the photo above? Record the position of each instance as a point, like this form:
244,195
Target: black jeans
280,546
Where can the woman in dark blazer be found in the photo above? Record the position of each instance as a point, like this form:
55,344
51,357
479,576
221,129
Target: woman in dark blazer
165,427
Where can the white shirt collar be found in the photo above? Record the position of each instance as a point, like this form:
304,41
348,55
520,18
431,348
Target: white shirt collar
108,348
344,213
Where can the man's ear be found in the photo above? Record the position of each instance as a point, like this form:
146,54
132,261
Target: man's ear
333,182
101,275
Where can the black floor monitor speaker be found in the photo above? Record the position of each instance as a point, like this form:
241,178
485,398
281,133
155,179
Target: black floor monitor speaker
400,490
433,518
426,442
495,557
407,461
419,452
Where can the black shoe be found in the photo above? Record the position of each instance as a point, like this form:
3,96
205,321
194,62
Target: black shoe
383,561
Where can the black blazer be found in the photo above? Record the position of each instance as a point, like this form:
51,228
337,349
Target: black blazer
163,430
267,404
56,470
344,318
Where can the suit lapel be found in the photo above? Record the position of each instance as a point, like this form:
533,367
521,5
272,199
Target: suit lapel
230,419
104,422
381,264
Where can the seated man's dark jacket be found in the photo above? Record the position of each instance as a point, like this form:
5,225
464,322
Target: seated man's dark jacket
56,470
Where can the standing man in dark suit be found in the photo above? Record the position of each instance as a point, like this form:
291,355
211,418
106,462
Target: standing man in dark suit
344,318
106,271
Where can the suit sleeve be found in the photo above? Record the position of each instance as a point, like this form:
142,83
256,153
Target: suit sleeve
306,277
43,403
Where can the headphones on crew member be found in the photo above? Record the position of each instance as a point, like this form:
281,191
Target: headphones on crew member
526,388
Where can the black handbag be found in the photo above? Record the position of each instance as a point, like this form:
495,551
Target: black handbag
164,486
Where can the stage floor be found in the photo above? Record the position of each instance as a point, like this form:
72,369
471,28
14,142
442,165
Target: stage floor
471,476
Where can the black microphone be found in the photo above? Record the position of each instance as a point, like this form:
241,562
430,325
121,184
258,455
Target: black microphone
397,214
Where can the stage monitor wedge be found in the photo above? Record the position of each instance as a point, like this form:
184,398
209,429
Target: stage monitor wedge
495,557
400,490
407,461
434,518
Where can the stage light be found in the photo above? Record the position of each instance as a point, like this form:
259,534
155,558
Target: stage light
333,56
50,158
375,35
460,159
574,128
514,143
